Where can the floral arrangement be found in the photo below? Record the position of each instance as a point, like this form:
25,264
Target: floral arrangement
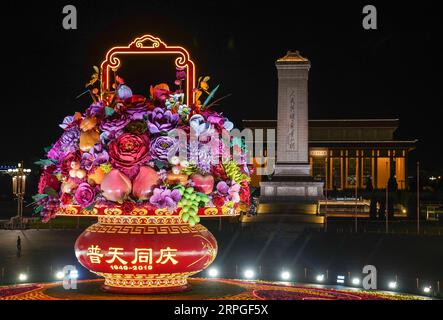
121,151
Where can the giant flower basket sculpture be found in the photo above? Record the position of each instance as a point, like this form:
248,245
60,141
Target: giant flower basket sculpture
148,168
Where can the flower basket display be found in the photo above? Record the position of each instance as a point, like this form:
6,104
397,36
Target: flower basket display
149,168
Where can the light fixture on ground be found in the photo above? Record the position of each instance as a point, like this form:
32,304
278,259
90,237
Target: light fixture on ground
213,272
59,275
340,279
249,273
320,278
355,281
427,289
285,275
73,274
392,284
22,277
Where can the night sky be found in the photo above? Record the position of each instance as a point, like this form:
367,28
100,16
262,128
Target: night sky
393,72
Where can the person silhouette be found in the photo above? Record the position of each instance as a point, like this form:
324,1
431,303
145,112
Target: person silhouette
19,246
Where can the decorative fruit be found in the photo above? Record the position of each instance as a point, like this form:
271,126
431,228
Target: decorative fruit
68,186
80,174
203,184
116,186
144,183
75,165
177,178
88,139
73,173
88,123
97,176
190,203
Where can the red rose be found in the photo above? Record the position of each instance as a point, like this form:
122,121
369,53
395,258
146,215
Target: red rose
245,195
66,198
219,172
218,201
128,206
129,150
48,180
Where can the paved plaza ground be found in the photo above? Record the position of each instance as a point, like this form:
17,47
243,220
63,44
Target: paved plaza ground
266,248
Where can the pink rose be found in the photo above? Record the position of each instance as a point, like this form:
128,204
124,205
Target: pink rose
84,195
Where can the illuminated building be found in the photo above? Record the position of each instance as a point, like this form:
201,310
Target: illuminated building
349,152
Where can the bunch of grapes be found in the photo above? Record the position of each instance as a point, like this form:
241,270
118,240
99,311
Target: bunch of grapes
190,203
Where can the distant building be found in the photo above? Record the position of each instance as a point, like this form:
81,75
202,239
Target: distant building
350,152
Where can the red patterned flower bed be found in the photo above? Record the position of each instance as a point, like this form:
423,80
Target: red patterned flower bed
12,291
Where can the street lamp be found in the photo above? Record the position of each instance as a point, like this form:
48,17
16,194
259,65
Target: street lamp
18,187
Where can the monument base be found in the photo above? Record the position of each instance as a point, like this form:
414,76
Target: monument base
291,188
289,199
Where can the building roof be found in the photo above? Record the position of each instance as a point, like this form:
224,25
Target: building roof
330,123
293,57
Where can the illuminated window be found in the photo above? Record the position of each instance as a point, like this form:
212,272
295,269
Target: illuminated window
367,170
318,168
400,173
336,173
382,172
352,171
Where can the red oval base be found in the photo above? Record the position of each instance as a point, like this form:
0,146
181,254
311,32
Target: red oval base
146,258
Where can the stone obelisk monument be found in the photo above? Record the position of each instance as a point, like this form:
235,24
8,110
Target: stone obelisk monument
292,180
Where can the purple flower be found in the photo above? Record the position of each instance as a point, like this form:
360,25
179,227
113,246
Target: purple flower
163,147
84,195
165,198
161,120
95,108
138,111
202,156
124,92
96,156
67,121
180,74
230,192
115,123
69,140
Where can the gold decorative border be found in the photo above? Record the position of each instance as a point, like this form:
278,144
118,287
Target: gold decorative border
136,281
148,211
146,229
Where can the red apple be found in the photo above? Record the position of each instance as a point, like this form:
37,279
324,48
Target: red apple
204,184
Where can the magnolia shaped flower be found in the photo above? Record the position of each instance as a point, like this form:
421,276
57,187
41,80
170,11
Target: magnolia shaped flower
165,198
199,125
231,192
161,120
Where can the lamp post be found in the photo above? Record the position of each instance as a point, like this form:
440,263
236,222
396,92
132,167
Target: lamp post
418,197
18,187
356,201
326,193
386,206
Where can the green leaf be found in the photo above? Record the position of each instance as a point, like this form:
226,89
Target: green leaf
39,196
90,207
109,111
38,209
50,191
44,162
159,164
46,149
210,96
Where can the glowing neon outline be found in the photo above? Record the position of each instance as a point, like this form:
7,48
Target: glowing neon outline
157,47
